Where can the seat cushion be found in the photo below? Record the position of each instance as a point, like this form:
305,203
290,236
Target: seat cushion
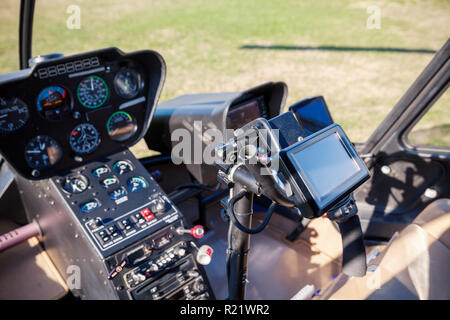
414,266
435,220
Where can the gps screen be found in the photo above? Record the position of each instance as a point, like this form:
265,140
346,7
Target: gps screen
313,115
242,114
326,164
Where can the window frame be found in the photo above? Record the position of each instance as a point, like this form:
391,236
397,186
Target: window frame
425,150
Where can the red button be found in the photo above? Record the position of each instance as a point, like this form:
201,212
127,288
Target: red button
149,217
147,214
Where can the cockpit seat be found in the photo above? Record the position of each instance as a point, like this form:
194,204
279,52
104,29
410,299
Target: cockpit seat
414,266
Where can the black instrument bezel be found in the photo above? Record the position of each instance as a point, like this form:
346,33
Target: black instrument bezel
26,85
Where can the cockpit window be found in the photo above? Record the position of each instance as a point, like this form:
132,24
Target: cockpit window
9,43
434,128
360,56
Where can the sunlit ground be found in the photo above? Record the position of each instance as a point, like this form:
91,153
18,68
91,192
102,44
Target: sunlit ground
205,45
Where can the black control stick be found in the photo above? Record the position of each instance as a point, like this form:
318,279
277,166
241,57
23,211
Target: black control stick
240,211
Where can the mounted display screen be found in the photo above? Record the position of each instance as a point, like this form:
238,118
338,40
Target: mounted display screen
68,111
325,168
243,113
313,114
325,175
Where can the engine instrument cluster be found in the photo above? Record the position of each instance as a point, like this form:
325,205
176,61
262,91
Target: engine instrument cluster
67,111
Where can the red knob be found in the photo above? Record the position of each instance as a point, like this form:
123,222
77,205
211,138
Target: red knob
197,231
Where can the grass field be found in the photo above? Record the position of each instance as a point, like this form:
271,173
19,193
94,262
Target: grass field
203,43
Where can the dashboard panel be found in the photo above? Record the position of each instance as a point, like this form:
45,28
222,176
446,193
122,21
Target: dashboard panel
65,112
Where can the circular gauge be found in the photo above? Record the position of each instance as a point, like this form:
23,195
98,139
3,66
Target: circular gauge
127,83
13,114
84,138
75,184
92,92
136,184
121,126
54,103
122,167
42,152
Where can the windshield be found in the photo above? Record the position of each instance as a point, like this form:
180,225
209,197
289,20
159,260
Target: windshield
9,43
360,57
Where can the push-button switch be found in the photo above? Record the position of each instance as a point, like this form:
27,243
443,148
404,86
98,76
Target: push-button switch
104,238
147,214
123,223
126,226
136,217
129,229
112,229
139,220
113,232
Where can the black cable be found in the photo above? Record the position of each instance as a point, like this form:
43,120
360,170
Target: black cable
237,224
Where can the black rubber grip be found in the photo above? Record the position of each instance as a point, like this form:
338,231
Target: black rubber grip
354,252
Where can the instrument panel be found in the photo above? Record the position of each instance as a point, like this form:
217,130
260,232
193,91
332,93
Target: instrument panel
65,112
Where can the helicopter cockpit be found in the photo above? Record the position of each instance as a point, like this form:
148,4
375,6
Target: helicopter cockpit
227,166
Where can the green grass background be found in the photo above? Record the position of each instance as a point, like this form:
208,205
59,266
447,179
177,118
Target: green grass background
201,42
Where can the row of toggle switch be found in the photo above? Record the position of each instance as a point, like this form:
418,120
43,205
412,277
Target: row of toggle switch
151,267
112,232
